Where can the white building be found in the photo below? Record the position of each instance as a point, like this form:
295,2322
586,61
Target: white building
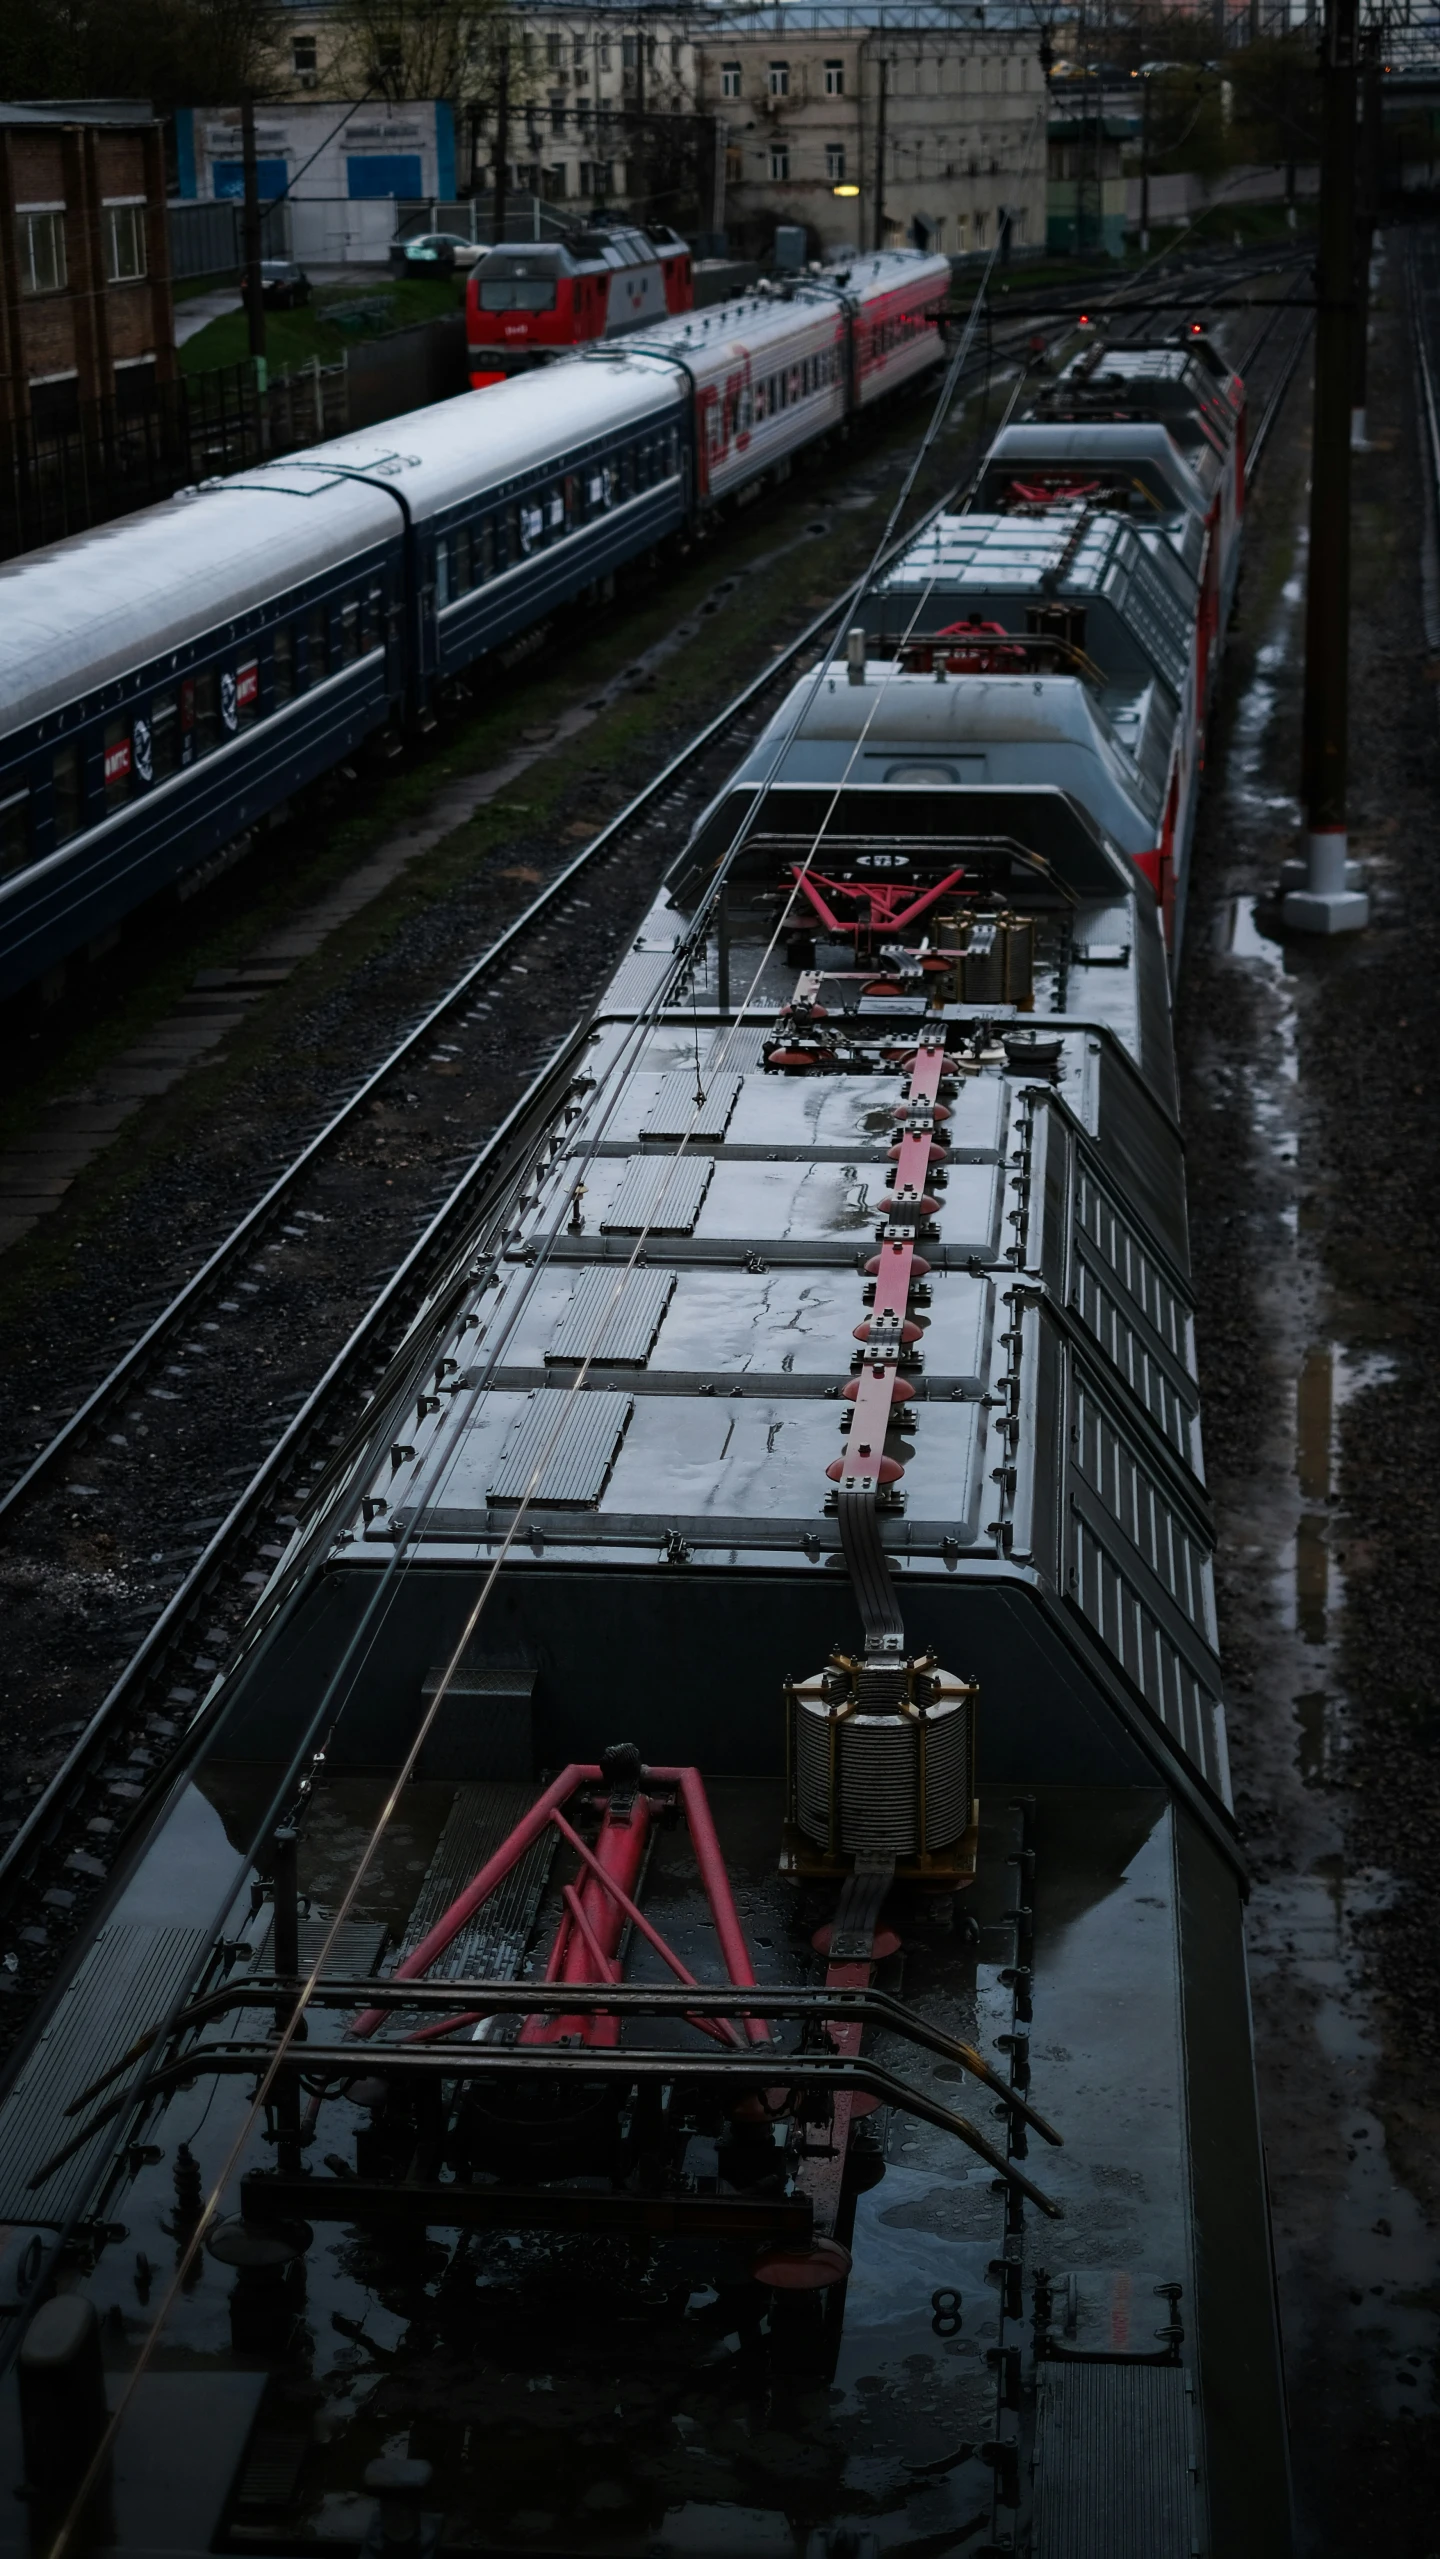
876,125
339,169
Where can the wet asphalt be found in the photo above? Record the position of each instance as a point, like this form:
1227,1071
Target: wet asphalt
1309,1102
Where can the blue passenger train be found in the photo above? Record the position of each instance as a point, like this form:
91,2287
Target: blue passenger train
168,680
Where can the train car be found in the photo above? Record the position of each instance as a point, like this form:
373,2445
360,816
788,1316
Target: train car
1082,594
734,1767
170,679
531,301
1200,401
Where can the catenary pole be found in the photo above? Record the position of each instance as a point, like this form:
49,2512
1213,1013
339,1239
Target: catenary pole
1325,903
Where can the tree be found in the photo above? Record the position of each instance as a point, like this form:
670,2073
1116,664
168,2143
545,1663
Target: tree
174,52
415,48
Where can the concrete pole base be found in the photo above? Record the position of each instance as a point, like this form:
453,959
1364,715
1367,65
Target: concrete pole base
1328,902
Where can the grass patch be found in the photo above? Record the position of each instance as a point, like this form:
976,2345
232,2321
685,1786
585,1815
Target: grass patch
295,338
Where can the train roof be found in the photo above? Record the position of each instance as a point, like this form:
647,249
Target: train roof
747,325
90,609
1012,737
1137,596
1140,449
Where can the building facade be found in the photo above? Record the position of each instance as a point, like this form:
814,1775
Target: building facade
878,126
85,312
929,118
339,169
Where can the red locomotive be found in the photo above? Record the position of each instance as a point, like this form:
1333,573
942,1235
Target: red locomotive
530,301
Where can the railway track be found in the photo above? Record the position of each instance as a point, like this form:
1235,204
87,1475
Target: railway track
271,1300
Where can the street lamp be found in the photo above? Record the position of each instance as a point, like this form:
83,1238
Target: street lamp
847,190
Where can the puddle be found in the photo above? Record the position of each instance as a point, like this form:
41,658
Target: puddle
1331,1376
1372,2264
1359,2272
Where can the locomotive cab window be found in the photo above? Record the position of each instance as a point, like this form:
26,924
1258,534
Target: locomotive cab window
14,831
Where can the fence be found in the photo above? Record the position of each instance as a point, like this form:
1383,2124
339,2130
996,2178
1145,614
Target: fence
205,237
198,428
1180,196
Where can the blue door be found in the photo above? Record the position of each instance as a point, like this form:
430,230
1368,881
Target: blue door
270,177
384,173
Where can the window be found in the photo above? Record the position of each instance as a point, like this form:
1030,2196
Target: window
282,664
40,250
14,831
66,794
729,79
135,386
553,54
779,160
734,164
200,710
55,405
834,79
577,52
247,690
980,220
164,735
779,79
304,56
557,111
350,630
125,257
462,576
629,53
119,764
317,640
834,161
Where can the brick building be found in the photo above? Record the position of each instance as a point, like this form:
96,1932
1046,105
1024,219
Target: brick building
85,313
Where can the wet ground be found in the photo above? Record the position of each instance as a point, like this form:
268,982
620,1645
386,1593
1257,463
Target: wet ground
1309,1108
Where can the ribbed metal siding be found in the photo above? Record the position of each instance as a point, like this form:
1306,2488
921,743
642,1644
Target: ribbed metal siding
637,981
1174,1412
126,1983
1130,1629
675,1112
573,1439
1134,1269
660,1195
613,1316
1131,1496
1112,2463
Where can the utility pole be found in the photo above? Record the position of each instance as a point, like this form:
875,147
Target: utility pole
250,239
639,173
502,132
884,69
1366,209
1144,164
1325,903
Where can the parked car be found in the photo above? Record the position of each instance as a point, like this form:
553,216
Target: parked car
283,284
440,251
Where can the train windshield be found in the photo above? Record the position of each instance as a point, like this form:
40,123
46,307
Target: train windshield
507,295
518,284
